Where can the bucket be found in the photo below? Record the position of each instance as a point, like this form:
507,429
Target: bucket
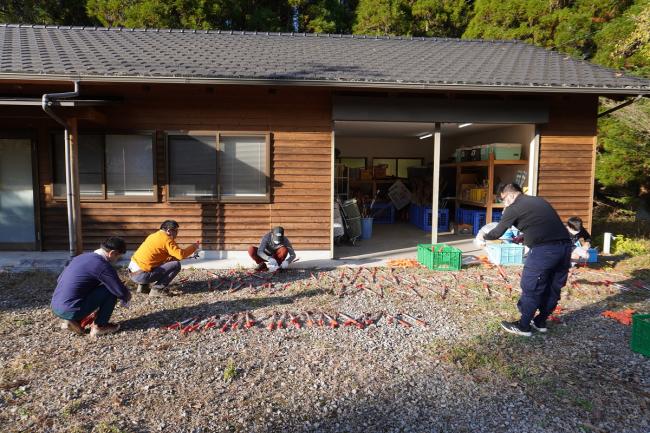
366,228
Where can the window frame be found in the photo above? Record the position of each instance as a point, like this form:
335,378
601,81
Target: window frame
266,198
396,159
104,197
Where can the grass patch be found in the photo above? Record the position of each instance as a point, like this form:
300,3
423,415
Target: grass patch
230,372
71,408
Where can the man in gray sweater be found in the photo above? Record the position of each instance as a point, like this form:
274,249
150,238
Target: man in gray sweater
272,252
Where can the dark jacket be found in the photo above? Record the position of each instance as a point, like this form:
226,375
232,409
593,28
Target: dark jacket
536,218
582,234
84,274
267,248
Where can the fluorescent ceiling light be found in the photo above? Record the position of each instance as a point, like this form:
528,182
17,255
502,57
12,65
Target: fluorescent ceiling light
422,137
462,125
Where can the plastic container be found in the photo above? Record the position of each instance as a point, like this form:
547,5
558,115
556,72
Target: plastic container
496,216
640,340
478,194
486,149
506,150
425,221
383,213
506,254
593,255
440,257
366,228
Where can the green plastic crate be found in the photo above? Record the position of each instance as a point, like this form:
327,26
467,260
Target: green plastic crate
640,341
440,257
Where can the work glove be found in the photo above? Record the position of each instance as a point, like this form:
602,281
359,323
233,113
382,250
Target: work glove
272,262
285,264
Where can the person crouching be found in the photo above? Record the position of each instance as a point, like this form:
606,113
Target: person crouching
90,283
157,260
272,252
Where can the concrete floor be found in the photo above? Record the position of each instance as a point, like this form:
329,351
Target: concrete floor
399,241
389,241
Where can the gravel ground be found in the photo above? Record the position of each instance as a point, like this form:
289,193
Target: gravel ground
458,374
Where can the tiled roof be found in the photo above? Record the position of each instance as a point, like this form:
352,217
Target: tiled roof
186,55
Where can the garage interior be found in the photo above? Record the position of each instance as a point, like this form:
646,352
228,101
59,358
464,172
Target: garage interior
371,156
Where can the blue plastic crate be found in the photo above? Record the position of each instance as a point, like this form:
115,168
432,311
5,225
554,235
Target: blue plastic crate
414,214
506,254
424,223
496,216
478,221
593,255
383,213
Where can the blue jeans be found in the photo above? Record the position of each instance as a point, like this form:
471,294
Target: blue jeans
101,299
162,275
545,273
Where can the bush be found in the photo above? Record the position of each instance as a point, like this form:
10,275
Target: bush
629,246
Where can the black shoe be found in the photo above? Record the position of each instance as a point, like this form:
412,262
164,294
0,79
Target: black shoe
143,288
541,329
513,328
261,267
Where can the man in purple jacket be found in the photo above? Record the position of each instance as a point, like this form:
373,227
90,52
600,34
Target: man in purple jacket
90,283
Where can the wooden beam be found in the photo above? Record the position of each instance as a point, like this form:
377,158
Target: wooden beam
436,184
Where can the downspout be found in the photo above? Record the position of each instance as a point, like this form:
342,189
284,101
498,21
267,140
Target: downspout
47,102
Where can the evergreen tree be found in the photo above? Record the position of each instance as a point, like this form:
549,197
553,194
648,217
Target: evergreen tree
447,18
383,17
62,12
324,16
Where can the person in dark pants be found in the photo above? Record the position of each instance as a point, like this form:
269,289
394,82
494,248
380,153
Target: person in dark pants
90,283
548,262
157,260
272,252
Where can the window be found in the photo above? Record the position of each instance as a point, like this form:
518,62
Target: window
129,165
398,166
224,166
244,166
390,163
114,166
192,166
403,165
353,162
91,166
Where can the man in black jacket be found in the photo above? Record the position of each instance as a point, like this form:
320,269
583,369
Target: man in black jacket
548,262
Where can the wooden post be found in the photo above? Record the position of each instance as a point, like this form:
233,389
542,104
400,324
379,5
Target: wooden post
489,198
436,184
75,225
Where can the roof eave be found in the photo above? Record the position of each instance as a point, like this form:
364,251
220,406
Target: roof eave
327,83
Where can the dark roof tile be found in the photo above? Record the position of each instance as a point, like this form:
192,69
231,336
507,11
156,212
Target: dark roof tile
92,52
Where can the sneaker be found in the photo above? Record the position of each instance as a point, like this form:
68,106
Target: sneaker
143,288
72,326
513,328
109,328
541,329
158,291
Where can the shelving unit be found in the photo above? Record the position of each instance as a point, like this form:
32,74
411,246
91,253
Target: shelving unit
489,164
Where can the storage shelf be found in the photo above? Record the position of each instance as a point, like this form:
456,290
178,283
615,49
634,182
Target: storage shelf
486,163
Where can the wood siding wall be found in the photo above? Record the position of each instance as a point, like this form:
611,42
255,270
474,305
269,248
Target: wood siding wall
301,149
567,156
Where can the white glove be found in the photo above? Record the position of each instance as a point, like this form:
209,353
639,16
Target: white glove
285,264
272,268
272,263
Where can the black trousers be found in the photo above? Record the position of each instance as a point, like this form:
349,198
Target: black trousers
545,273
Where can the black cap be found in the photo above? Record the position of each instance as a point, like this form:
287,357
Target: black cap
277,235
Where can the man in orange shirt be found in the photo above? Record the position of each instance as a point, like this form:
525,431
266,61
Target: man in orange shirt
157,260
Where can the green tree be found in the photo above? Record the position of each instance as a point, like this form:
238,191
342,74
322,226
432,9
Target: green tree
261,15
448,18
383,17
623,162
62,12
324,16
